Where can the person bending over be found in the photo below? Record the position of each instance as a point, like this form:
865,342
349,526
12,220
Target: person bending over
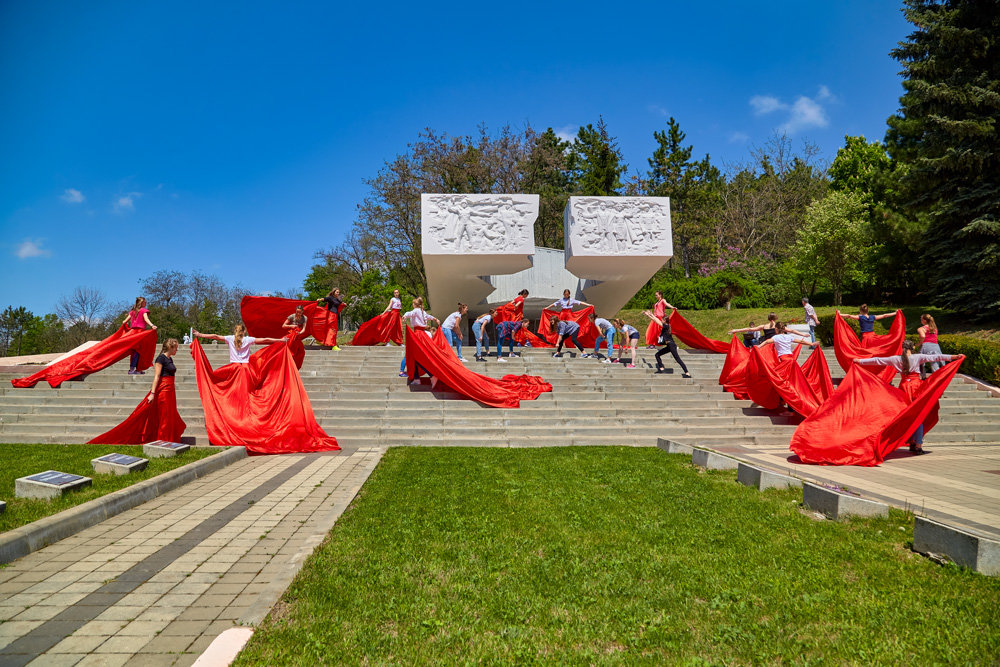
565,329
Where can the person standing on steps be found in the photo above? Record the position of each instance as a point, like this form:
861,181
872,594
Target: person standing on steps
170,427
667,341
766,330
783,341
565,329
652,331
239,343
334,304
631,335
417,319
908,364
482,338
810,319
928,341
750,338
137,319
452,329
866,321
505,334
565,305
395,304
607,336
296,321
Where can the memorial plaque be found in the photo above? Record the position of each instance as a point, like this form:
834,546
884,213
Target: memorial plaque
118,464
48,484
161,449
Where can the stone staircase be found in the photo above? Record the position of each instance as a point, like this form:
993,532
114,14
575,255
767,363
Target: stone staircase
358,397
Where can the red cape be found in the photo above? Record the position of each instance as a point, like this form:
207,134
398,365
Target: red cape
261,405
763,370
151,420
847,347
381,329
112,349
691,337
734,371
264,315
866,419
588,332
435,358
803,388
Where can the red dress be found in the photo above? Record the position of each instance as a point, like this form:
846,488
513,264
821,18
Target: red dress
653,330
151,420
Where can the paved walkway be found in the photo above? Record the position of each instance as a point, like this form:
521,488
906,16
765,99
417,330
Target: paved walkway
156,584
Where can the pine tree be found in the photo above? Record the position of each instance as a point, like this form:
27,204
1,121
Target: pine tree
947,145
595,162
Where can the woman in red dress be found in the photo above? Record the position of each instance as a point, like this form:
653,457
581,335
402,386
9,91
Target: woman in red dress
653,330
137,318
334,304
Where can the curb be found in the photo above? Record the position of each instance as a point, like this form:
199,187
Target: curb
22,541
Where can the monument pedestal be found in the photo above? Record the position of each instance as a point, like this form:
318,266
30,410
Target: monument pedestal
49,484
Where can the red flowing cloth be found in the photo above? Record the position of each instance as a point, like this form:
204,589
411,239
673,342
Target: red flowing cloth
654,329
867,419
434,358
510,312
803,392
328,322
151,420
847,347
112,349
817,374
265,315
691,337
588,332
381,329
261,405
764,369
734,371
528,338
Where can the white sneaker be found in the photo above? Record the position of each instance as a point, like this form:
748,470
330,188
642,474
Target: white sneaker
501,360
586,356
605,361
463,360
556,355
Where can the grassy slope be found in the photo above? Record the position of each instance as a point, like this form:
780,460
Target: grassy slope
20,460
605,555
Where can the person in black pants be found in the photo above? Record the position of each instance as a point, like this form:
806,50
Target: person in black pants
667,340
564,329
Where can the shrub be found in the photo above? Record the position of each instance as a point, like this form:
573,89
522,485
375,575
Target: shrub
704,292
982,357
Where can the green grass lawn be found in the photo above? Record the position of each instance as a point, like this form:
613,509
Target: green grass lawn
20,460
612,555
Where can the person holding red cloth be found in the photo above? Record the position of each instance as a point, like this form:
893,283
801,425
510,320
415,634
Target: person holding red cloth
653,330
137,318
866,321
566,304
296,322
334,305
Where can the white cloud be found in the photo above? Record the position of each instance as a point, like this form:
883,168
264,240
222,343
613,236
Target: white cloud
72,196
739,138
804,112
567,133
32,248
657,109
126,202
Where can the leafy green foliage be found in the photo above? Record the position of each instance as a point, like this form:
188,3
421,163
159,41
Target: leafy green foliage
722,289
545,174
595,162
371,296
982,356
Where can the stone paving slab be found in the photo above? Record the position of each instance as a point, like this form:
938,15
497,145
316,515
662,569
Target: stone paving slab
156,584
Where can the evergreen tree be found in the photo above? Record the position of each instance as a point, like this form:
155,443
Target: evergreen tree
545,175
946,141
595,162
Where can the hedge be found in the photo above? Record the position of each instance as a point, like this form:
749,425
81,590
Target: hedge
704,292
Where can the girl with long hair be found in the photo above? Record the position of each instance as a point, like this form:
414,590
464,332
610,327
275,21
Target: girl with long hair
565,305
296,321
666,339
417,318
928,341
334,304
137,319
630,334
482,336
239,343
565,329
908,364
452,328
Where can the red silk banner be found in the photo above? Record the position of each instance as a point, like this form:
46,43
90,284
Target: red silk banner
817,374
763,370
867,419
112,349
847,347
588,332
264,315
261,405
381,329
528,338
151,420
509,312
789,380
653,332
435,358
691,337
734,371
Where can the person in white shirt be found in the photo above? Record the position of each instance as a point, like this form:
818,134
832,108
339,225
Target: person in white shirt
567,302
452,328
811,320
417,319
783,341
607,331
394,302
482,338
239,343
630,334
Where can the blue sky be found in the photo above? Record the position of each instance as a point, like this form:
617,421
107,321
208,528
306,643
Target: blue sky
234,138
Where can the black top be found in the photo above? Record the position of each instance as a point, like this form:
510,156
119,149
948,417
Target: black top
332,302
168,370
769,333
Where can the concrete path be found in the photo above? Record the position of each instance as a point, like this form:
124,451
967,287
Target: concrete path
155,585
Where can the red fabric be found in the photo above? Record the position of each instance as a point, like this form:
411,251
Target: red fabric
510,312
691,337
817,374
531,339
264,315
734,371
151,420
588,332
764,370
847,347
261,405
654,329
434,358
381,329
112,349
788,380
866,419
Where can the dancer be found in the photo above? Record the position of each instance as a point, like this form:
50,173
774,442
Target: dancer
452,328
505,334
667,341
630,335
783,341
296,322
394,303
811,320
607,331
482,337
751,338
565,305
239,343
928,341
417,318
766,330
653,330
908,364
564,329
866,321
518,301
137,318
334,304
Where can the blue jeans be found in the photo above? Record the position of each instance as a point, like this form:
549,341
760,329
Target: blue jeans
812,334
482,340
918,436
454,340
607,337
510,342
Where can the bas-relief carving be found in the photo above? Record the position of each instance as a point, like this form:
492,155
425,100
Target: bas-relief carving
497,223
619,225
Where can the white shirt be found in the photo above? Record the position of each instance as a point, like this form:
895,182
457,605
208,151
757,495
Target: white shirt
483,319
417,317
395,304
568,303
602,324
451,321
783,344
241,354
628,330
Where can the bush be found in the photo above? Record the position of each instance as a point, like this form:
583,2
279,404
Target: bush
704,292
982,357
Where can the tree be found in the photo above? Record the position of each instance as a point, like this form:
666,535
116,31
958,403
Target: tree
595,163
836,241
85,305
165,287
544,172
947,143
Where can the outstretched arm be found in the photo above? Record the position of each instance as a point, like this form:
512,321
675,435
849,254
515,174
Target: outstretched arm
852,317
221,339
884,315
653,317
268,341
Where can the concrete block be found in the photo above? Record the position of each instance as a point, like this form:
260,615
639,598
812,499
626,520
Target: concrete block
118,464
161,449
761,479
49,484
712,461
837,505
671,447
958,545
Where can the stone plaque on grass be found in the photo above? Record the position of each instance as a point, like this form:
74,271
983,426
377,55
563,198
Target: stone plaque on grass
48,484
161,449
118,464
